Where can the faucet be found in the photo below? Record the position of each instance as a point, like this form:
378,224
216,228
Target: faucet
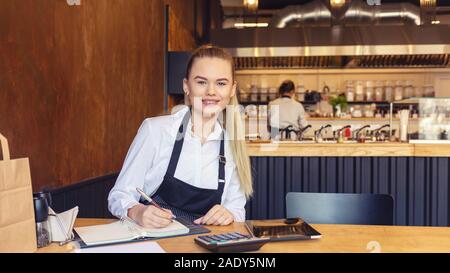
318,133
358,136
338,134
301,131
376,135
286,132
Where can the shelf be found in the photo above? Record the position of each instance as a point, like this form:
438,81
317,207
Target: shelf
399,70
378,103
341,119
266,102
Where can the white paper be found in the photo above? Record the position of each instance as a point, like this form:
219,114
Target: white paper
141,247
62,224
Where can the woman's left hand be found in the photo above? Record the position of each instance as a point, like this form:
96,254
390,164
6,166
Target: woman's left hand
217,216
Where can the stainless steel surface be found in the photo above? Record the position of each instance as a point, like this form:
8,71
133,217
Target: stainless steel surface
334,41
314,13
355,12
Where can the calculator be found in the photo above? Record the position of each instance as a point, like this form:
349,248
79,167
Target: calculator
230,242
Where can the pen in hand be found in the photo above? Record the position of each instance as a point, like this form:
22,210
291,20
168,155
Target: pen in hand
146,197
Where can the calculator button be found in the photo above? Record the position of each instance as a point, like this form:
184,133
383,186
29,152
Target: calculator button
214,237
228,236
239,236
222,237
203,238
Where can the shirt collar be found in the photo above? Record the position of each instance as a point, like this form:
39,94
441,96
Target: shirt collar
215,134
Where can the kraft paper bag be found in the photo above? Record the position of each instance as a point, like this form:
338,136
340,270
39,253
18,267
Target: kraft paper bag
17,226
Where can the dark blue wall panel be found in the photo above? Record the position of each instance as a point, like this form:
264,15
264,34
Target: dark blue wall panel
418,185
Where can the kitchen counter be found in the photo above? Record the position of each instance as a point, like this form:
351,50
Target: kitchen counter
375,149
415,174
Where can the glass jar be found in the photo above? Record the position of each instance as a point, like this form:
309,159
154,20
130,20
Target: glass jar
272,93
409,90
359,91
398,91
243,95
254,93
418,91
388,91
263,94
300,92
350,91
429,90
379,91
356,112
251,110
369,91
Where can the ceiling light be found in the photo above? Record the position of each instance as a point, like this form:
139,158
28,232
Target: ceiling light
240,25
337,3
435,22
428,3
251,4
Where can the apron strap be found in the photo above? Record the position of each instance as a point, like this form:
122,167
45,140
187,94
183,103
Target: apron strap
222,160
178,145
175,156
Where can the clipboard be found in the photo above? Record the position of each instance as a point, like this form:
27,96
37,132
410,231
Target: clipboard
193,229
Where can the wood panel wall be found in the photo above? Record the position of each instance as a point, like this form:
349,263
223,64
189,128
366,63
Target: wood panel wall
77,81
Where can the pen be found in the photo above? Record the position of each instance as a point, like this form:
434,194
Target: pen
146,197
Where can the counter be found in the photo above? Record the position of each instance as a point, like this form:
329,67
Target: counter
385,149
416,175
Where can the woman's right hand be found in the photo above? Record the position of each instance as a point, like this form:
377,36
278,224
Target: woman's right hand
150,216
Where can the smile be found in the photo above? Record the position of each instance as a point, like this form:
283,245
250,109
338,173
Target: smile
210,102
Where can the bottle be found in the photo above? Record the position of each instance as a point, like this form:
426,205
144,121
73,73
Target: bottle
43,232
398,92
388,91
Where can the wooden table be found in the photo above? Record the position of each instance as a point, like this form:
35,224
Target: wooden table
335,238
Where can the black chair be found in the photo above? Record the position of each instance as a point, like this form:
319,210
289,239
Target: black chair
341,208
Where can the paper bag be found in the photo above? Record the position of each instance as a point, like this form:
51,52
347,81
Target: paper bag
17,226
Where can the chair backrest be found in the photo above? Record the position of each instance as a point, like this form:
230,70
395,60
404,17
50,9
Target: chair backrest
341,208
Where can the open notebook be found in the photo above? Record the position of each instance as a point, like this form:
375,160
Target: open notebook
126,230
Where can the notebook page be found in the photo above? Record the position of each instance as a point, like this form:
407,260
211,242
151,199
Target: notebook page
109,233
174,228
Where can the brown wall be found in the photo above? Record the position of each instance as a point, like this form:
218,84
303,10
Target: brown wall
77,81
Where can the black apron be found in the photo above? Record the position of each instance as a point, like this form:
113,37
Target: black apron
183,199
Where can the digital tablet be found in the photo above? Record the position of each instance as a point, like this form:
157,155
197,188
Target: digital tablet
282,229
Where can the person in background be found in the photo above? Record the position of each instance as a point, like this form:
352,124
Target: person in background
323,107
286,111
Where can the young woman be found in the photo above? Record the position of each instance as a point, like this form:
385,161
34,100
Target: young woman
187,162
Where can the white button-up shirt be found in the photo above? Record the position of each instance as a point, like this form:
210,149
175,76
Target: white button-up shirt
149,155
285,111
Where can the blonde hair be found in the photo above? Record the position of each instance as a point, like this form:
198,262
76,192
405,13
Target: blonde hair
234,123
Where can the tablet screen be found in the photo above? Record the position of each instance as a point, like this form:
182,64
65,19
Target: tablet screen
282,229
